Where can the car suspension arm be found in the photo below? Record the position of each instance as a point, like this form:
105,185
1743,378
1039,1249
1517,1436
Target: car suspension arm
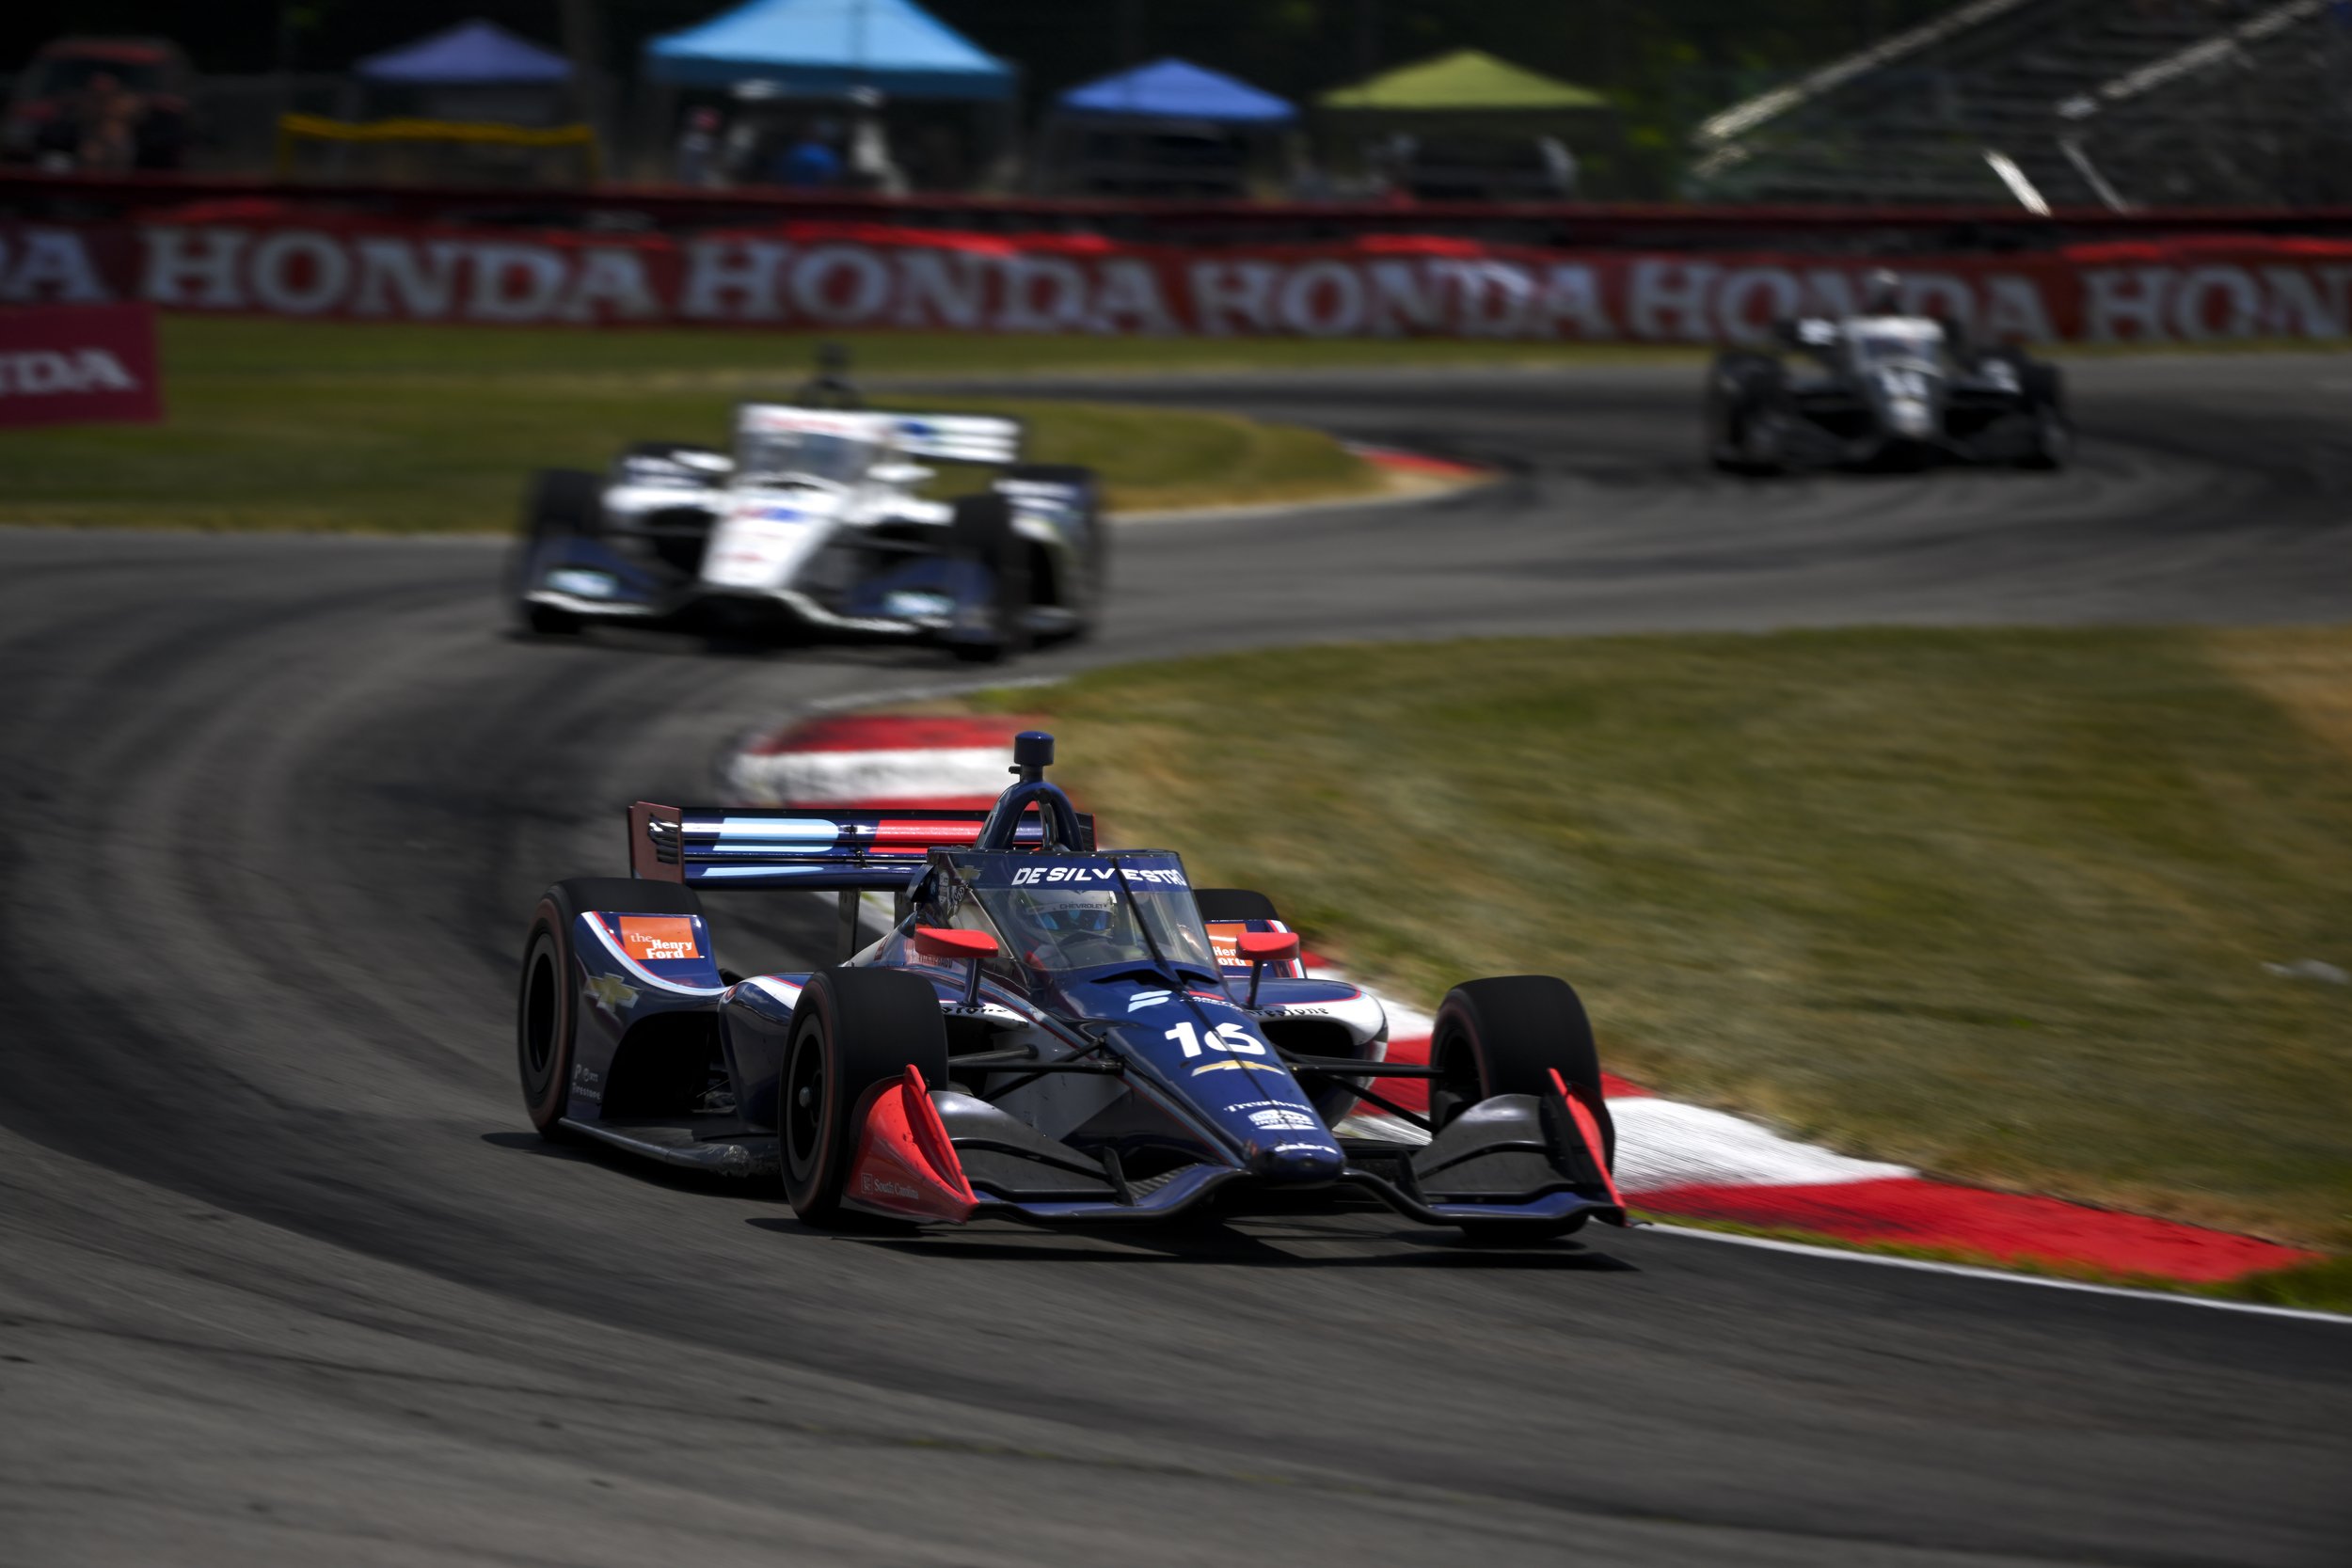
1323,1066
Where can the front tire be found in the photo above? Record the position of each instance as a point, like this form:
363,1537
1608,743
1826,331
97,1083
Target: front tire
562,504
983,533
854,1032
1507,1035
1747,394
1083,596
2054,431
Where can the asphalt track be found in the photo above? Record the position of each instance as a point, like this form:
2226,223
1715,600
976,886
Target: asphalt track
284,1279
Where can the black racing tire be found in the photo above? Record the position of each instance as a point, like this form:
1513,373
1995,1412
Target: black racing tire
1742,385
2053,428
1506,1035
982,530
560,503
547,621
1097,553
1232,903
564,501
547,1008
853,1032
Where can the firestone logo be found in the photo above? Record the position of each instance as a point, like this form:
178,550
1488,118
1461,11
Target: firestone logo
52,372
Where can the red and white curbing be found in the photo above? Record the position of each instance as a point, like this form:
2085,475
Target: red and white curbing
1673,1158
874,761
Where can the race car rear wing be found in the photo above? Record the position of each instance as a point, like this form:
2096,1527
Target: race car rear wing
988,438
812,848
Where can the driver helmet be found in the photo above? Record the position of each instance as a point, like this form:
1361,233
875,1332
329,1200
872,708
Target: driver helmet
1882,293
1073,911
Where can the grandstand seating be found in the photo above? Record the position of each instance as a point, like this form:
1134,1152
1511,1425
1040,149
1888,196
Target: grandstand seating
2096,103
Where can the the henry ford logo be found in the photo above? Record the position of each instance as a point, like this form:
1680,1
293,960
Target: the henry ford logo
1090,874
668,937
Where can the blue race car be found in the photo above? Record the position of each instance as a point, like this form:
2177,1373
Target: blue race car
1048,1032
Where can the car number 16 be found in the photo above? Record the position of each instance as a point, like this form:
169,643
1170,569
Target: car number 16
1225,1036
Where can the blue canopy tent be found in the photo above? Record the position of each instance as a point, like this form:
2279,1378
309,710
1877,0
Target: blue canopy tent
1167,129
817,48
1177,89
474,102
472,54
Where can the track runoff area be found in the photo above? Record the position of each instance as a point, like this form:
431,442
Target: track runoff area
1675,1160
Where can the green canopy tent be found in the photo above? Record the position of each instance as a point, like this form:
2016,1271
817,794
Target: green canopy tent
1467,125
1467,82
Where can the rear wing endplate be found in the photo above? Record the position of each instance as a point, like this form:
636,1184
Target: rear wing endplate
814,848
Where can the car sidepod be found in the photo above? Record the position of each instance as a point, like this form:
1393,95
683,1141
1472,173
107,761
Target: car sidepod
648,1070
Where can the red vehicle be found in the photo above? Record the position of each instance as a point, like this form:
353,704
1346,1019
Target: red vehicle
100,103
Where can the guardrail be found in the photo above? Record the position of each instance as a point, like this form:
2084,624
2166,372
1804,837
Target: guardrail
27,195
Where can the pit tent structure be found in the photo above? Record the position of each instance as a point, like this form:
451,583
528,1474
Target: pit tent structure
1471,117
1167,129
829,48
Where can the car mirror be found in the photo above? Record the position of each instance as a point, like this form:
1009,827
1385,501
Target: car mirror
1265,947
956,942
949,941
1262,948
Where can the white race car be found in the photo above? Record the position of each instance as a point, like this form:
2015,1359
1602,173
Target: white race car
818,520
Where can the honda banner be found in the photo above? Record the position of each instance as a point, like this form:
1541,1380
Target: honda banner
848,276
79,364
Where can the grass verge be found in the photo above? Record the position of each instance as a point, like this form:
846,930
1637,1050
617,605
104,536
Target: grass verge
1995,904
397,428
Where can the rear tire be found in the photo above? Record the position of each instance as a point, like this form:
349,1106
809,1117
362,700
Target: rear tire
983,533
547,1010
853,1032
1232,903
562,504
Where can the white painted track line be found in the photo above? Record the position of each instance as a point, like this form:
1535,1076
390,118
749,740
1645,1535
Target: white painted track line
1968,1270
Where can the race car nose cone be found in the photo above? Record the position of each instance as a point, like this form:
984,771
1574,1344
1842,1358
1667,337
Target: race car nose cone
1302,1164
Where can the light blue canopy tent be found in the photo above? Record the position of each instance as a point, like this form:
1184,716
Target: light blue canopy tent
812,48
472,54
1177,89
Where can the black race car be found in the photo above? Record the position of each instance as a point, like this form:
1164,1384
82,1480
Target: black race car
1882,389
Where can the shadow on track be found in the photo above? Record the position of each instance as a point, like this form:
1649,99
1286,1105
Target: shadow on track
1217,1243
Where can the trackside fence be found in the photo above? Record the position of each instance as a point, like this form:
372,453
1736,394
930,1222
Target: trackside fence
243,259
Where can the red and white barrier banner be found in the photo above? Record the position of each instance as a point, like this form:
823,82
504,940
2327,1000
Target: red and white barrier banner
837,276
79,364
